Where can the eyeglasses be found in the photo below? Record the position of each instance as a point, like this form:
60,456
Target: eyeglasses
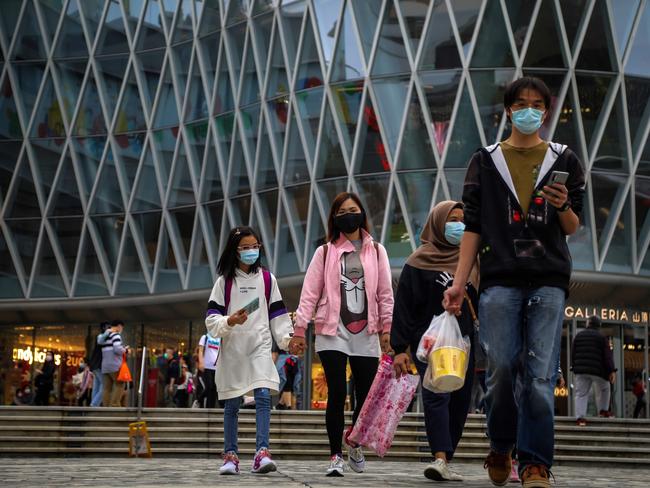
249,248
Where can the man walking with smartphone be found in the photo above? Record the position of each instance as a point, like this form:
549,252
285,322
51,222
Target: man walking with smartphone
517,221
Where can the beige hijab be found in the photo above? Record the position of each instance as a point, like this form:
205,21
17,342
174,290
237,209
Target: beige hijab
435,253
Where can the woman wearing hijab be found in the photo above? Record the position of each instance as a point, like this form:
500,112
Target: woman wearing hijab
426,275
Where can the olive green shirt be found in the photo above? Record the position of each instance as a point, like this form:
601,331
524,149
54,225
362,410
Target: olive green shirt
523,164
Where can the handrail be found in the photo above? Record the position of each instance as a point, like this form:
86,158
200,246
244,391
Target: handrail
144,358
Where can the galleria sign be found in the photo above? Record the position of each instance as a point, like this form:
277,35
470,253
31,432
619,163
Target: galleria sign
606,313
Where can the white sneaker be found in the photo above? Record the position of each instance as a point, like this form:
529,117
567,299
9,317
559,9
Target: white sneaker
263,463
356,460
439,471
230,464
336,466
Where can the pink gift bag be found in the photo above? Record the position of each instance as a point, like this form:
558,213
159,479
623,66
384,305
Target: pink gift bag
387,400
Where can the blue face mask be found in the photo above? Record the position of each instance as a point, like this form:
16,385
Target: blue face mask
454,232
249,257
527,120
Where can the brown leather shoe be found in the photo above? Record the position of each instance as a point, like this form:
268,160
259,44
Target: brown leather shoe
536,476
498,466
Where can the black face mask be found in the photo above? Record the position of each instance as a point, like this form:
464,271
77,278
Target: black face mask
349,222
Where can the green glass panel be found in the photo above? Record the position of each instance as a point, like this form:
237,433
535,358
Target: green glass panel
29,77
619,253
440,89
309,109
348,63
597,51
131,280
24,235
367,14
29,41
128,151
637,62
48,120
66,199
146,226
391,100
109,232
211,18
112,38
398,243
68,235
545,47
9,283
327,15
167,111
108,197
112,70
466,14
151,62
416,149
278,82
183,30
465,138
89,151
295,170
90,280
592,90
90,119
168,279
47,154
372,155
347,101
71,42
212,189
373,191
47,275
489,87
265,174
391,55
417,188
23,201
492,48
9,122
145,195
152,32
519,15
330,163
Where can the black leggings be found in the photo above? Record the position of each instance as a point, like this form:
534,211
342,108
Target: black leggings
363,372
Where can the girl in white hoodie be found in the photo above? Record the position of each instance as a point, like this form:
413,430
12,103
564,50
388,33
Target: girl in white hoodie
245,308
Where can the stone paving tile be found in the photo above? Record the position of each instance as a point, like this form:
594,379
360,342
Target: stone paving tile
199,473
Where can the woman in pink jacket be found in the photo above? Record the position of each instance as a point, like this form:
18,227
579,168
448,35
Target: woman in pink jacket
348,289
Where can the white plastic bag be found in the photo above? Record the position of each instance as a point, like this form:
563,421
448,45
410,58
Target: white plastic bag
448,358
429,338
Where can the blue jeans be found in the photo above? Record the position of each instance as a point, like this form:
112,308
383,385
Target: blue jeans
98,389
520,333
262,420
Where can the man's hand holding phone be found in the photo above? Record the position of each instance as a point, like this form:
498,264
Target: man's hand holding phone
237,318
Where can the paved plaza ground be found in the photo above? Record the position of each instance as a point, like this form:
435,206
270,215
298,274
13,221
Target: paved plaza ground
202,473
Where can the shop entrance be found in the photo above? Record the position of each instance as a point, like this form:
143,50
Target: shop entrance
629,344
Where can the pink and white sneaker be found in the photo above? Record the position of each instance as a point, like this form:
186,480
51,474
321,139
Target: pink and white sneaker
230,464
263,463
514,472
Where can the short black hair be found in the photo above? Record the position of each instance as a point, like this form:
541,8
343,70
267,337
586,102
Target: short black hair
227,264
594,321
104,325
117,322
526,82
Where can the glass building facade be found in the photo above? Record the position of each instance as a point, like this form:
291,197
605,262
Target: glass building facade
135,133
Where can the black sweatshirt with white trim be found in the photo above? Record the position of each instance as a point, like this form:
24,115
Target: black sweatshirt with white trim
520,250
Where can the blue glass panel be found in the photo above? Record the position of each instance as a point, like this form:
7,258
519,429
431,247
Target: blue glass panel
236,38
108,196
624,12
298,208
152,32
197,102
93,11
465,138
66,199
367,15
327,15
29,42
182,189
397,241
68,234
391,55
236,10
89,151
262,26
130,116
23,201
250,91
278,116
111,76
519,14
572,13
287,257
291,17
9,12
592,90
545,46
152,62
112,38
147,228
348,63
268,216
347,101
416,150
391,100
309,108
637,91
182,54
278,83
265,173
417,189
164,143
47,154
211,18
29,77
9,121
489,87
619,253
212,189
182,220
642,205
373,191
131,280
90,280
167,112
597,51
47,275
250,120
109,231
439,49
372,156
24,235
128,150
330,163
9,284
440,89
492,48
9,152
637,62
225,126
90,119
183,30
295,170
210,47
145,195
238,182
200,274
